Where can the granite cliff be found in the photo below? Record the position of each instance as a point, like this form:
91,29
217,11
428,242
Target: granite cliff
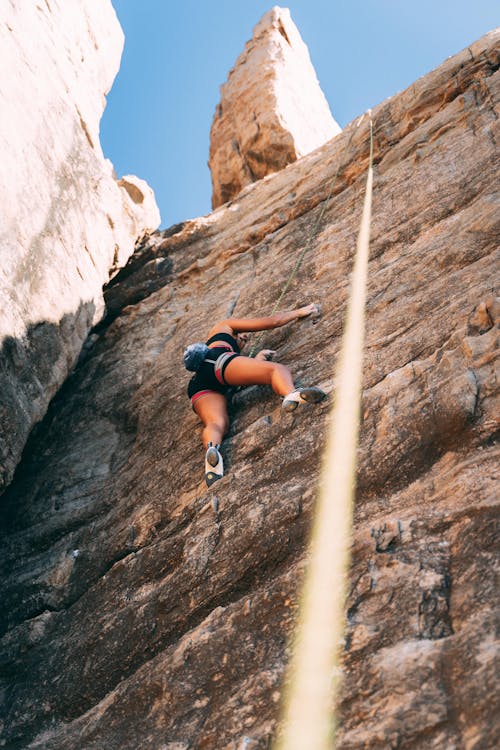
141,610
67,222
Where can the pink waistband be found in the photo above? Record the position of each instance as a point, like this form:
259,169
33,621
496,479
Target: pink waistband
223,345
198,394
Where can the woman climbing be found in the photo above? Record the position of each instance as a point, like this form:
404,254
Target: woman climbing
223,366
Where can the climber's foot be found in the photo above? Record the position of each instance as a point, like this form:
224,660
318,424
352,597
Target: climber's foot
214,466
212,454
310,395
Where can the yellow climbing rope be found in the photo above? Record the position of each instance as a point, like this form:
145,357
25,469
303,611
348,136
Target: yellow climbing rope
309,720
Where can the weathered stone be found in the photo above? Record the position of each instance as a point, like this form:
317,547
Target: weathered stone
272,110
140,609
66,223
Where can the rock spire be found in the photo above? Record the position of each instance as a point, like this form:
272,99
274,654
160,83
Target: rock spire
271,112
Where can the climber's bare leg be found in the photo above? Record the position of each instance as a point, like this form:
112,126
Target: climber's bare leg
212,410
248,371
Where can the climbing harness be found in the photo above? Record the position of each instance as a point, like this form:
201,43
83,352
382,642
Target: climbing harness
196,354
308,719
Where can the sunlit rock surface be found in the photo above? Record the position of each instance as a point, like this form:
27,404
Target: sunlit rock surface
272,110
66,223
141,610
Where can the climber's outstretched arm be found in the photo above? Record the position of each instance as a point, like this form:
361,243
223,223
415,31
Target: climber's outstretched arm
246,325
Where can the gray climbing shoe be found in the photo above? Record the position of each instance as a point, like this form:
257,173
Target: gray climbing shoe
212,454
309,395
214,465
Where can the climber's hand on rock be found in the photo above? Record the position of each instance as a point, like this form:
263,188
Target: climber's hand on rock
265,354
312,309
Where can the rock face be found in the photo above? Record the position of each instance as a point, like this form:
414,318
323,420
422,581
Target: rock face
66,223
272,110
141,610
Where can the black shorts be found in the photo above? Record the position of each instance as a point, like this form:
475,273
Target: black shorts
210,376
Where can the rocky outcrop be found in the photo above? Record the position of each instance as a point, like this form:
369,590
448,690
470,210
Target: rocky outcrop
67,224
272,110
140,609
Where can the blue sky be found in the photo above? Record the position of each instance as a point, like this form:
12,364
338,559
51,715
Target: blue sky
178,53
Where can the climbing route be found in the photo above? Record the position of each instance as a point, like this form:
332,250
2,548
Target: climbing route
308,708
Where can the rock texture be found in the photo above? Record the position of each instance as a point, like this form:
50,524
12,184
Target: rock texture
67,224
272,110
141,610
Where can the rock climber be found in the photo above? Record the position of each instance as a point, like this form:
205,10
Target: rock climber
223,366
